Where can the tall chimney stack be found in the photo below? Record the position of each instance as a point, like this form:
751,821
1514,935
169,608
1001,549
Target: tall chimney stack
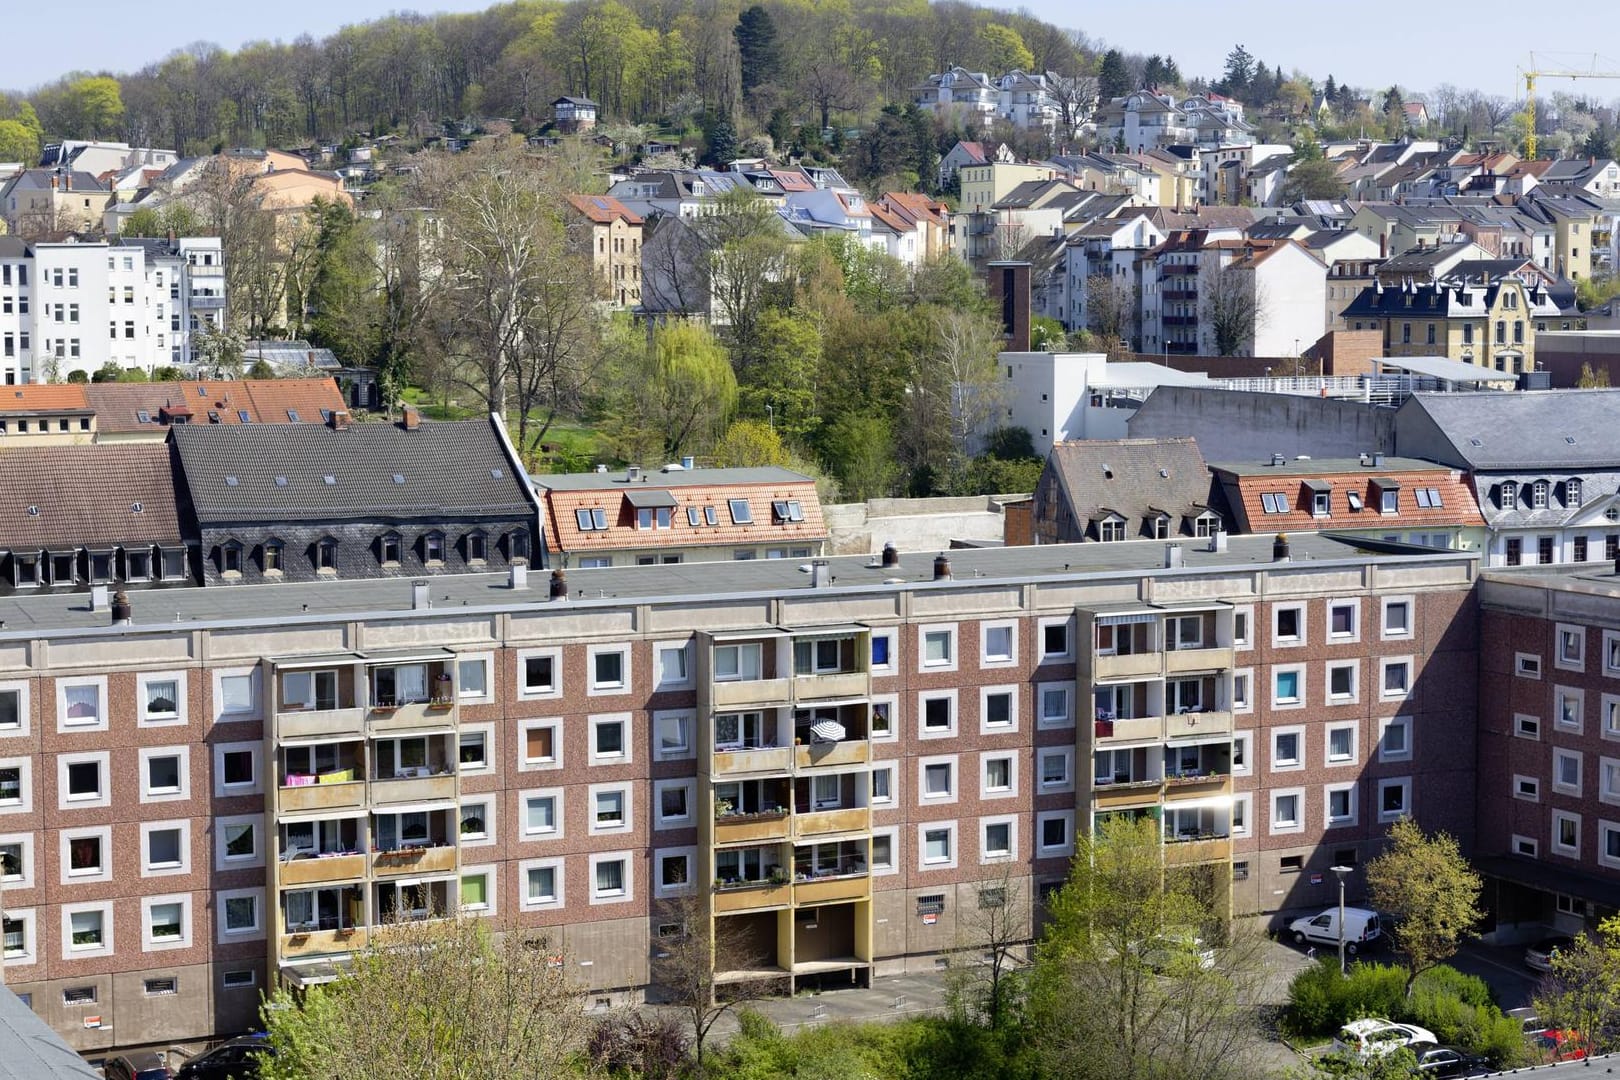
1009,290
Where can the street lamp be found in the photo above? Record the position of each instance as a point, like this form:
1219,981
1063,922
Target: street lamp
1342,872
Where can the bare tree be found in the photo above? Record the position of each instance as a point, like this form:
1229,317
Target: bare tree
684,967
1110,307
992,951
1008,239
1076,97
1233,309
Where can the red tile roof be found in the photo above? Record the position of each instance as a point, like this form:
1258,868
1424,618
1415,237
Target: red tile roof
562,531
266,401
1458,507
603,209
43,397
62,497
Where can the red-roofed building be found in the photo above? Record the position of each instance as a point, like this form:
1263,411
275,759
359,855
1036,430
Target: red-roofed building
930,218
615,244
143,412
42,414
633,517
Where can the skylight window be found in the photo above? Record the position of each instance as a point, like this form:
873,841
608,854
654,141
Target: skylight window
399,478
329,479
1428,498
741,512
710,516
230,481
1274,502
242,415
292,415
281,481
1354,499
143,416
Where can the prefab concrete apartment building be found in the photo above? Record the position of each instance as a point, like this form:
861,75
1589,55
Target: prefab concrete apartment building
208,792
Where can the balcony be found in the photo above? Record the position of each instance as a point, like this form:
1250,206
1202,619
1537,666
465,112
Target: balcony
821,755
208,303
856,885
1190,725
335,791
411,716
1127,666
322,869
843,684
762,759
198,270
413,860
749,693
762,827
844,820
305,723
750,895
1194,850
316,942
1192,786
1177,661
423,787
1132,729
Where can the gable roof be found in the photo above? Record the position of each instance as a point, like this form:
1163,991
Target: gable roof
1244,483
119,406
1135,479
87,496
32,398
603,209
1547,429
379,472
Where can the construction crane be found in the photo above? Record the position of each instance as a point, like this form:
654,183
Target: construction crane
1534,72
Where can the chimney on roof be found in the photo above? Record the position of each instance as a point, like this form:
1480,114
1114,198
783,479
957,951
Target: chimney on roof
410,418
1378,459
1279,548
67,180
420,601
891,556
632,473
821,575
98,597
55,182
340,420
122,613
942,567
1173,556
559,586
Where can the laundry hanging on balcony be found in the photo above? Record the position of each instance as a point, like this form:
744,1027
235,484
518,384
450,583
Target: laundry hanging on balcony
826,731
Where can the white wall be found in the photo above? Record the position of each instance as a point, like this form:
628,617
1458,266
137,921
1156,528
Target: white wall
1293,288
1048,394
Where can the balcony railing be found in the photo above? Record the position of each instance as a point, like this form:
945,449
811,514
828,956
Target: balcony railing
842,684
208,303
753,759
747,692
747,895
322,869
1129,729
424,786
1180,660
840,820
742,828
302,723
1188,850
1187,725
847,880
315,942
406,716
414,860
1127,665
821,754
333,791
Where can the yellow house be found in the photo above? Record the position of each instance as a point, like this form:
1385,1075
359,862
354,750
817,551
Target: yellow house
985,185
615,245
1489,322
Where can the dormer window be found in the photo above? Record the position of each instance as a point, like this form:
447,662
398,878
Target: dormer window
1206,524
389,551
1159,527
1321,503
1111,528
326,556
138,565
1538,495
433,547
477,547
230,558
1508,495
271,556
1572,493
518,544
64,567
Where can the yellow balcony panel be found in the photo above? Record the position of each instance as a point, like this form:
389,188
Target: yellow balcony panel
1140,793
831,890
816,822
817,755
1180,660
382,719
767,760
1135,729
1190,852
1196,787
845,684
751,828
1131,665
347,795
1192,725
307,723
318,871
749,692
413,790
316,942
750,897
437,860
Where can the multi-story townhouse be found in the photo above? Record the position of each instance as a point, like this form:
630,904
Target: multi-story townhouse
835,765
615,245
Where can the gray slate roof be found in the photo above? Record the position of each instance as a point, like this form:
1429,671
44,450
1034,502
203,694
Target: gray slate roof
448,470
33,1050
1134,478
1547,429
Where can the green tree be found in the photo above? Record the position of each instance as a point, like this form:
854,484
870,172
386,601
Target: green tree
261,369
1004,50
719,140
1583,991
18,143
782,383
1239,73
1591,378
668,397
1113,75
860,450
1428,886
433,1000
1313,179
94,106
749,444
343,297
758,50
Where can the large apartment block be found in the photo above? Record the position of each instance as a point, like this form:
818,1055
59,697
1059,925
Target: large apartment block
208,792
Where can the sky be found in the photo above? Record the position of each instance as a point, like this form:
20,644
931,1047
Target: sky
1479,45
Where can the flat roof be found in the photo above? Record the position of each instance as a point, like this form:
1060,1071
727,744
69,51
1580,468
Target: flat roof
320,602
656,478
1438,367
1298,467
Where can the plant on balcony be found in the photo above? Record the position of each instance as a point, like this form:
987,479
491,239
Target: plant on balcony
722,808
777,876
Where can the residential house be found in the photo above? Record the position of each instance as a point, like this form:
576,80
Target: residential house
1112,250
679,514
127,412
1060,397
1545,471
44,414
1415,114
1376,496
1582,229
1598,177
1488,321
615,245
971,153
574,114
1028,103
1109,490
962,98
1204,282
53,202
982,187
1143,121
928,217
1352,260
99,158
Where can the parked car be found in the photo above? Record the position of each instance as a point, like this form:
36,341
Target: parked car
235,1060
1373,1037
1539,957
137,1067
1448,1061
1558,1044
1529,1023
1361,929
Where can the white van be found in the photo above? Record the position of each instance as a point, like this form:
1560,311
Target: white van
1361,928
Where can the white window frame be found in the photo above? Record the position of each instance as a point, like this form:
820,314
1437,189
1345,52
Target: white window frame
1331,762
1526,726
627,796
988,661
1297,825
1011,790
1067,656
1354,634
1012,725
1560,755
1064,850
686,721
924,864
231,791
1611,653
1245,643
681,821
524,692
1525,845
1045,722
1606,793
182,792
183,867
1384,725
627,740
1245,703
893,703
102,799
487,732
24,878
1242,822
1066,755
1303,696
1387,602
217,677
1527,665
534,723
30,949
222,861
103,706
1246,738
1353,818
893,666
23,689
1405,784
1604,828
558,867
1012,853
1302,618
101,833
181,714
663,891
688,652
25,776
924,632
150,944
892,832
1564,633
626,683
524,834
625,895
947,732
491,876
1387,662
1354,696
892,800
487,838
1298,763
72,952
488,696
1578,695
1572,851
924,796
1526,788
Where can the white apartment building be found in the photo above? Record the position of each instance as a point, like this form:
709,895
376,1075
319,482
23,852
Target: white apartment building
71,306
